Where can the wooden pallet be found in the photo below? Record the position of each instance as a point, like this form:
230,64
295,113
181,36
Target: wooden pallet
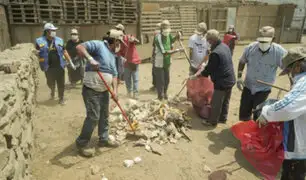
48,12
23,13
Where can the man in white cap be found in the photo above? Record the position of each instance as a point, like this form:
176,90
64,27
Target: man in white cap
156,32
198,48
262,59
76,74
162,61
131,70
230,38
100,56
52,56
292,111
221,71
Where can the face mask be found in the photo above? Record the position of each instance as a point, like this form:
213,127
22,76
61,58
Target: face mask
166,33
117,49
74,37
264,46
53,34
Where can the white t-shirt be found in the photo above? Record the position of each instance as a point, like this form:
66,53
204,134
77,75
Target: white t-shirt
93,80
199,47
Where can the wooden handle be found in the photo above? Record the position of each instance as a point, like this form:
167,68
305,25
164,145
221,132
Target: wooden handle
269,84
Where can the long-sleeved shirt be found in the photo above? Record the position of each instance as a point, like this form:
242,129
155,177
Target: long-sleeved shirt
292,110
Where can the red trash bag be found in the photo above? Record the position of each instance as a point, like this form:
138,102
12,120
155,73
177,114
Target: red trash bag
199,92
262,147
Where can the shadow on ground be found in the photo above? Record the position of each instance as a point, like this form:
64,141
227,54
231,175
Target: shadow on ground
49,103
225,139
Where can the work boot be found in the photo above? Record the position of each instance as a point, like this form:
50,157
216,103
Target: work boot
166,96
108,144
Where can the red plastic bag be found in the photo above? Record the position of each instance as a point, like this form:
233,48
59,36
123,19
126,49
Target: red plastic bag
199,92
262,147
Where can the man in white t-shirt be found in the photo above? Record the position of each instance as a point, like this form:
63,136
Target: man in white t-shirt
198,48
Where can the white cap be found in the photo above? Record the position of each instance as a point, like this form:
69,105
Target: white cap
49,26
120,26
113,33
266,34
74,31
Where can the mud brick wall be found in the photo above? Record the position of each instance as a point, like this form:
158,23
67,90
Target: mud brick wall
19,82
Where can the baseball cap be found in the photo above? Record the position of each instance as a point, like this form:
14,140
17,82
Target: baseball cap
266,34
74,31
294,54
49,26
201,29
113,33
120,26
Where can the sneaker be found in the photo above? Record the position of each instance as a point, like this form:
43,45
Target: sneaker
207,123
108,144
135,96
86,151
62,102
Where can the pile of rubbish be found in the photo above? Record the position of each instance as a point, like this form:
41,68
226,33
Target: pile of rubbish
158,124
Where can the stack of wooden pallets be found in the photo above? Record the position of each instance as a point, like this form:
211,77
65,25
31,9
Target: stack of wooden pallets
22,12
123,12
188,19
49,11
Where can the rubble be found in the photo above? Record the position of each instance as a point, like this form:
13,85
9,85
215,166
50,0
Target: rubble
94,169
128,163
158,124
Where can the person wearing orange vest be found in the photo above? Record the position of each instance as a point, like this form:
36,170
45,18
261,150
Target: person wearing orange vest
230,38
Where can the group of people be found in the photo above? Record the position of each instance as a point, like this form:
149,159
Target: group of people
117,59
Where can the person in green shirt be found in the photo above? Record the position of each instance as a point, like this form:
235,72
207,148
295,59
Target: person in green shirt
163,50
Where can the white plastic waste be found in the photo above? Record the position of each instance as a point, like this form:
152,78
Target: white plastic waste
137,160
128,163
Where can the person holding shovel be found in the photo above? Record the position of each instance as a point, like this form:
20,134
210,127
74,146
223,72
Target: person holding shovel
262,59
292,111
163,51
131,70
100,57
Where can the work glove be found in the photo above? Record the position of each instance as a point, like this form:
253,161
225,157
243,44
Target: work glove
240,84
261,121
94,64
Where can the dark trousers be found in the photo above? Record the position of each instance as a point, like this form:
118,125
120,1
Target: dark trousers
76,75
97,105
162,77
249,102
56,76
219,106
293,170
153,77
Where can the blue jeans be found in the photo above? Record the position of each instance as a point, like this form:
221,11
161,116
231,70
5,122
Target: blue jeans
97,105
131,79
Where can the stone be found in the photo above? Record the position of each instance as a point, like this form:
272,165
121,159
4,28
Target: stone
140,142
137,160
103,177
218,175
95,169
156,148
4,157
148,148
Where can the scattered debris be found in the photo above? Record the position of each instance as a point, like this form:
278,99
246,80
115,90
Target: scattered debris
158,124
137,160
207,169
157,149
94,169
128,163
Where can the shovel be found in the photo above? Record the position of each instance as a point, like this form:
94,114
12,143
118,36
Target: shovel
132,125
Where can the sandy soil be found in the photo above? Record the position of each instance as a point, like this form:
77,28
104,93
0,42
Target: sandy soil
56,127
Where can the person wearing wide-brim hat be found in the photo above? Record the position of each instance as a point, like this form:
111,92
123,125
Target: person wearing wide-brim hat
163,51
292,111
262,58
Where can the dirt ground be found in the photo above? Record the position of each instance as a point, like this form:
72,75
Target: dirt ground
56,128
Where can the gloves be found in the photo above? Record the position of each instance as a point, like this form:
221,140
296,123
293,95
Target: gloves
261,121
72,65
240,84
